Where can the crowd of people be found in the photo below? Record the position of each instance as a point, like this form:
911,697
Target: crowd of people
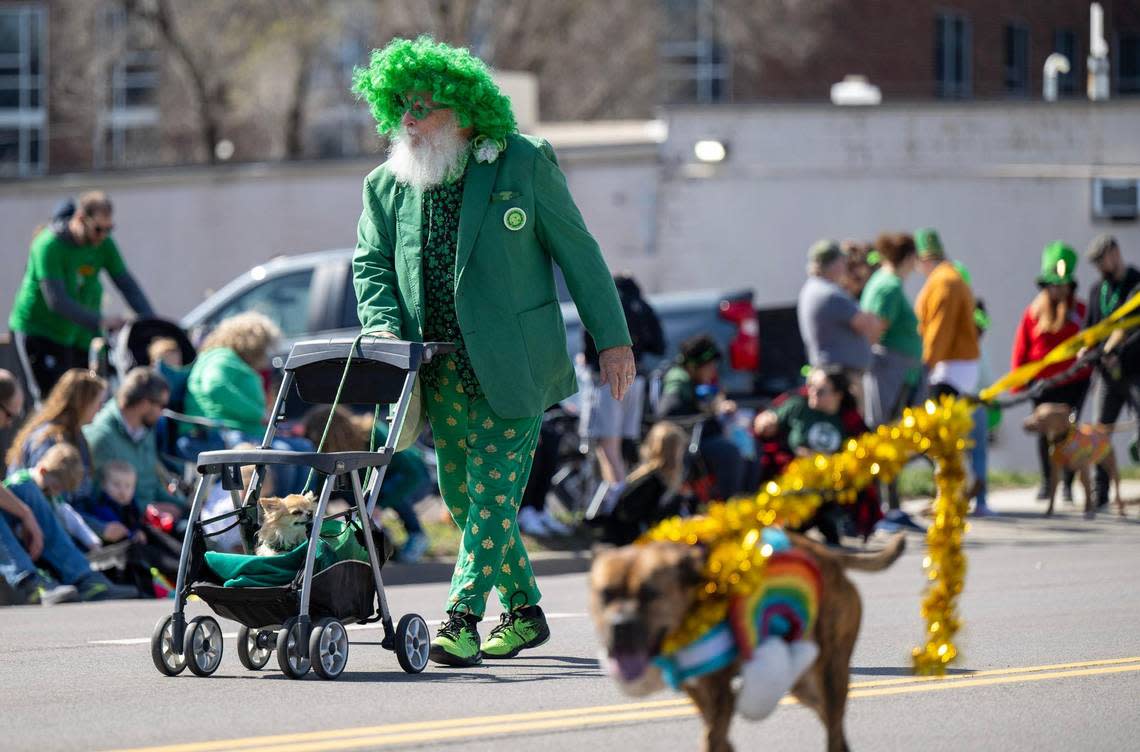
871,353
90,508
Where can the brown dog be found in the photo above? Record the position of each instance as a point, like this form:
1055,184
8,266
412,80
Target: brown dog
1075,447
640,594
283,523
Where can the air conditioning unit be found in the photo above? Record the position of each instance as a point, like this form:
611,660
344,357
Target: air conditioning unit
1115,198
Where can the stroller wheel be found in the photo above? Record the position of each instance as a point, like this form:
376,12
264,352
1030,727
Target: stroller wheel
288,646
168,659
413,642
202,649
328,648
255,647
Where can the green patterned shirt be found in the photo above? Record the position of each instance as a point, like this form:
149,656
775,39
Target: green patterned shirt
440,240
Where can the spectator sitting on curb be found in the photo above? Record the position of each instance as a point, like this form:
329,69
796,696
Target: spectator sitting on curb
653,490
690,389
225,385
71,405
835,332
20,583
124,430
33,487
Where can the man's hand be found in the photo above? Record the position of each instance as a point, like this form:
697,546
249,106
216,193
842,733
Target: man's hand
385,334
115,532
31,535
766,424
618,369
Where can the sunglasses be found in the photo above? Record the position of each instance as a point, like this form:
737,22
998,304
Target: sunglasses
101,229
415,105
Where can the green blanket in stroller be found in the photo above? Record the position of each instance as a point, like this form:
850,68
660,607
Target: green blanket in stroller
338,542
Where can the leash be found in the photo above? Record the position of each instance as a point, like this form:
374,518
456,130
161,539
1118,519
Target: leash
336,403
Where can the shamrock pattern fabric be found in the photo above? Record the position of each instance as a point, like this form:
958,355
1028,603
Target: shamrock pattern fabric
442,205
483,462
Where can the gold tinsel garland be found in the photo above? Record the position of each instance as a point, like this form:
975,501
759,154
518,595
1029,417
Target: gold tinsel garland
731,530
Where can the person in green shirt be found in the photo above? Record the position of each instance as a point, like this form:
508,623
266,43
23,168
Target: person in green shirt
57,311
225,386
896,359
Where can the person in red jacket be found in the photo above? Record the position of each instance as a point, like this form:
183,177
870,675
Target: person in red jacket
1054,315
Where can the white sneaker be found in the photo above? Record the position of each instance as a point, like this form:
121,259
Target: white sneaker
531,522
554,525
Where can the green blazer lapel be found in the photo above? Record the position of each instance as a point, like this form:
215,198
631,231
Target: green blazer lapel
476,199
409,244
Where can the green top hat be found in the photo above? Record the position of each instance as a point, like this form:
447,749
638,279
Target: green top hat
1058,265
927,243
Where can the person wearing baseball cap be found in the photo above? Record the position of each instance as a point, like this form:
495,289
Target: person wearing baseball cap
1054,315
836,332
1119,369
945,311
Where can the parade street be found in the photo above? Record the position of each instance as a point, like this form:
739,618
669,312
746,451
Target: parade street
1050,659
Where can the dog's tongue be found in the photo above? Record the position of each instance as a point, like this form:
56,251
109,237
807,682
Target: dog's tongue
629,666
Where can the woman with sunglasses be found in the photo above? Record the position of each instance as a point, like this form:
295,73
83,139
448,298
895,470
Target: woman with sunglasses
57,309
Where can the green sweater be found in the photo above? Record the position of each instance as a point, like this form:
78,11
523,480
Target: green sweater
223,387
108,439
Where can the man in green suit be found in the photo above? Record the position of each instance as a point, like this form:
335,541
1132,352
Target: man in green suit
456,243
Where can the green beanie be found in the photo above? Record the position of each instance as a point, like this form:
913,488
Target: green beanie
1058,265
927,243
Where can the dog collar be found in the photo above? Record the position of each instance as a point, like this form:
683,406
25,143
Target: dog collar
785,606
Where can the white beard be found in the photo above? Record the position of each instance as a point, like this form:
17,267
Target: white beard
427,164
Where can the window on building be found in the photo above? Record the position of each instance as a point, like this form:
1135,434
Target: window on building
128,124
1128,64
1065,42
1016,59
23,91
952,56
694,59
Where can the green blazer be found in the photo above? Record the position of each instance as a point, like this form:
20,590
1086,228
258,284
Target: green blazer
505,298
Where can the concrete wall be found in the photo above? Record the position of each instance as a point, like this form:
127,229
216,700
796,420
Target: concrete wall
999,182
186,232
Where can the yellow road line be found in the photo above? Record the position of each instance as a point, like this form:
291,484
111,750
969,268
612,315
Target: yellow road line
584,717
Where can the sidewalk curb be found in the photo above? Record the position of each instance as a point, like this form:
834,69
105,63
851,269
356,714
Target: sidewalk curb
544,564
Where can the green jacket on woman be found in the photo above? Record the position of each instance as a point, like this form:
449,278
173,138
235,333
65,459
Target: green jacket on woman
505,297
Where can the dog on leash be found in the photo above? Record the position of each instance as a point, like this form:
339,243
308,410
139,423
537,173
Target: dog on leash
1075,447
640,594
284,523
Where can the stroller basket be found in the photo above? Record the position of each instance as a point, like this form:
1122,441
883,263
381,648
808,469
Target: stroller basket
306,612
343,591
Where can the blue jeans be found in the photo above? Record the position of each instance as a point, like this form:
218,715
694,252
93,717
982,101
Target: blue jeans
59,550
980,453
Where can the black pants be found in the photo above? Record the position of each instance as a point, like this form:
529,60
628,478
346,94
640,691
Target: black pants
1072,394
1111,397
48,360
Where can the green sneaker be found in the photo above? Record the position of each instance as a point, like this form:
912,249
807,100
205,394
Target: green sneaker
518,630
457,641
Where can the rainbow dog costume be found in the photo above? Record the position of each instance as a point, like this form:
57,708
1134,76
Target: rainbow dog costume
765,630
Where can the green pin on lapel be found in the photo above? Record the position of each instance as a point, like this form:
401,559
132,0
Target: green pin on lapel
514,219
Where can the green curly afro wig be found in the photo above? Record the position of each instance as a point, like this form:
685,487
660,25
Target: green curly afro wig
456,79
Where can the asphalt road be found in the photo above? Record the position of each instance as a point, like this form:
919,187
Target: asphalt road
1050,660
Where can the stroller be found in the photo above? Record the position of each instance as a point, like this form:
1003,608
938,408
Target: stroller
303,621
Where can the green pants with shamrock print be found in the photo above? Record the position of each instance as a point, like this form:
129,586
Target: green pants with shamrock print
483,462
